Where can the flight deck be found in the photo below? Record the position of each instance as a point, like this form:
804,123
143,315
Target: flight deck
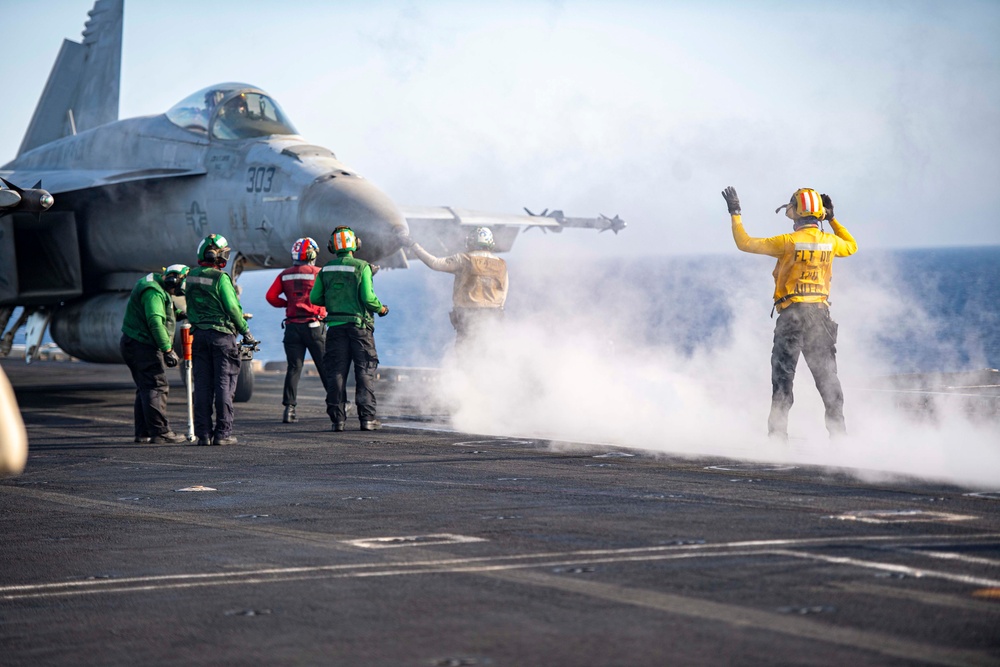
418,545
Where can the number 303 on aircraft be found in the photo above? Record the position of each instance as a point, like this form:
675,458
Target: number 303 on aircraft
259,179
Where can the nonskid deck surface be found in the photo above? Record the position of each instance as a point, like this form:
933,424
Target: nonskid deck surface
418,545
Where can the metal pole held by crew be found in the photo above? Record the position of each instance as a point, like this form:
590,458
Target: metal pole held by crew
186,340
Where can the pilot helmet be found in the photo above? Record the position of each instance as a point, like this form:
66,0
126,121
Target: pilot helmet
304,250
480,238
173,278
214,250
805,203
343,239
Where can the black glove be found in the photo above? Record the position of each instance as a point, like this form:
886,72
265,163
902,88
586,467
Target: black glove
828,205
384,311
732,201
249,340
170,359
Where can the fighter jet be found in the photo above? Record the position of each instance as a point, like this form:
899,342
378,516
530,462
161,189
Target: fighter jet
138,194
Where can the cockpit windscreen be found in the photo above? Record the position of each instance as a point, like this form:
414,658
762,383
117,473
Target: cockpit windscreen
233,111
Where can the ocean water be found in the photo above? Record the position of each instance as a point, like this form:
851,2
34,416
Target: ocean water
917,310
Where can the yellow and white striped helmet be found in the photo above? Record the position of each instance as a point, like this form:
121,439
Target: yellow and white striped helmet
805,203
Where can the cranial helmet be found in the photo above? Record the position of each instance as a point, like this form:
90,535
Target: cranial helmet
173,278
805,203
343,238
480,238
304,250
214,249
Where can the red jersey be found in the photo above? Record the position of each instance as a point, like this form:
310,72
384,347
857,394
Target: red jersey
290,291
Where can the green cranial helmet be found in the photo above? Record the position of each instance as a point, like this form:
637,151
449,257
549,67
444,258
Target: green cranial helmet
214,250
173,278
343,239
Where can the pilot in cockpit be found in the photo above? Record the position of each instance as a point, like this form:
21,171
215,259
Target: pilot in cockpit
235,108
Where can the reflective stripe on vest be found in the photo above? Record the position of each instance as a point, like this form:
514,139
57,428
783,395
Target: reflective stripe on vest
342,302
199,280
816,247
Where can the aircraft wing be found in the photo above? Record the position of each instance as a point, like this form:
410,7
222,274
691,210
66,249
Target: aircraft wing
69,180
443,228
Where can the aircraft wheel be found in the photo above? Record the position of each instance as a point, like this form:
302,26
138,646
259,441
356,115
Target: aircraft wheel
244,383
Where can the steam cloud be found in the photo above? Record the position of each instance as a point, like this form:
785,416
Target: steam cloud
630,359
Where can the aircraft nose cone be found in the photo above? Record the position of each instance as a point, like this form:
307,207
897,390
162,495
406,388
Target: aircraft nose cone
342,198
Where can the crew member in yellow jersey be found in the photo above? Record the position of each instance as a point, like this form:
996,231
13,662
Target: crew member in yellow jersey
801,297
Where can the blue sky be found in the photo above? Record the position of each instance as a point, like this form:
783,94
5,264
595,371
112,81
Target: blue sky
645,109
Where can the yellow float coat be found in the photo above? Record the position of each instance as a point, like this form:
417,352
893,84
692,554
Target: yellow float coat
805,259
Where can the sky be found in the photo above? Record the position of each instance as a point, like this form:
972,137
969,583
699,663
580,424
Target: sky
642,109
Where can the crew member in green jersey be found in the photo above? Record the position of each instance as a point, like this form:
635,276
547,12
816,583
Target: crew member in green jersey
216,317
344,288
147,345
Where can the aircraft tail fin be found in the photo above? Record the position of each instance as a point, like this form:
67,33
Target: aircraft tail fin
82,90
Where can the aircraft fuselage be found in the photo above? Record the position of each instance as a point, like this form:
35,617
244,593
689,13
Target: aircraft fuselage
157,190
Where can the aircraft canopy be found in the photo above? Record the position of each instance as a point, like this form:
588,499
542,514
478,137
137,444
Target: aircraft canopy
232,111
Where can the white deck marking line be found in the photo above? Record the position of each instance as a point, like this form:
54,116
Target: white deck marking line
158,463
723,547
947,555
889,567
900,516
413,541
478,564
49,413
494,441
333,572
672,604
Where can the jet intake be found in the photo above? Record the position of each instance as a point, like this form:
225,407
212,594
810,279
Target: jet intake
39,259
90,329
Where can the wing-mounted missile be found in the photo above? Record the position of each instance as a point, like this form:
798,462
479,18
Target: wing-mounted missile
29,200
443,229
602,223
615,224
544,214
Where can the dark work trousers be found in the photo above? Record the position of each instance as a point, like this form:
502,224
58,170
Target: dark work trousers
216,367
146,365
347,344
466,321
805,328
299,337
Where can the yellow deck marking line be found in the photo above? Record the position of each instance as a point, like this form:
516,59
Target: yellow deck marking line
987,593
